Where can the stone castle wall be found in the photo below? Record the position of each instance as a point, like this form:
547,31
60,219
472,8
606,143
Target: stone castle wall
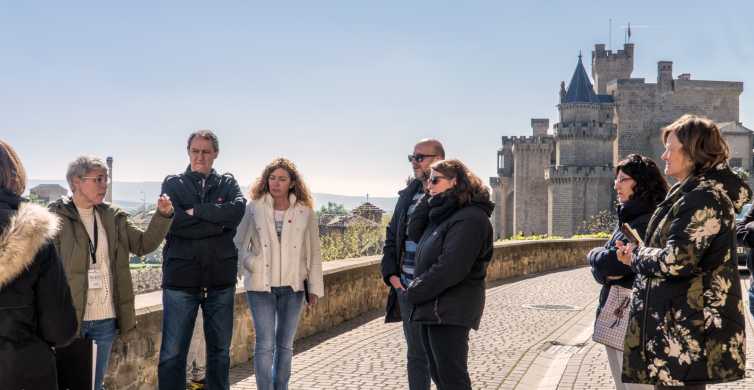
575,195
642,109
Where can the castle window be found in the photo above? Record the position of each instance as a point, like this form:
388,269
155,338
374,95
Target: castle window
736,162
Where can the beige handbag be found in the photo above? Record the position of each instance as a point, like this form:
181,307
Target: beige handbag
612,322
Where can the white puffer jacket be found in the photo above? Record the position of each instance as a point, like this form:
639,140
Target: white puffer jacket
298,249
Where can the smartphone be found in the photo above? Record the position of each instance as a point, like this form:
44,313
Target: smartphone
631,234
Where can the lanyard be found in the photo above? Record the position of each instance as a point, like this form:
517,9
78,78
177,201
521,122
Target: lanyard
93,246
95,232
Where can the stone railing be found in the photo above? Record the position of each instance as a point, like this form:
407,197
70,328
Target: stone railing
146,280
352,287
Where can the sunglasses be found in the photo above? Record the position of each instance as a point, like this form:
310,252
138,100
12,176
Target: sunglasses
97,179
419,157
436,179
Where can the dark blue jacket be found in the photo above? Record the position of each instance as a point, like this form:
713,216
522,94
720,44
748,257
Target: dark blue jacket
199,251
604,261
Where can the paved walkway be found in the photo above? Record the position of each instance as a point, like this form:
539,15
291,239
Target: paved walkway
515,348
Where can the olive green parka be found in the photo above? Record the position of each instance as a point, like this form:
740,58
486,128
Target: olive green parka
123,238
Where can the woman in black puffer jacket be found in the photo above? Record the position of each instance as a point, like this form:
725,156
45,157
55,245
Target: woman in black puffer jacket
36,311
640,187
454,236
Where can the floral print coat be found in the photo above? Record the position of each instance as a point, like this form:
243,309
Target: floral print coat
687,322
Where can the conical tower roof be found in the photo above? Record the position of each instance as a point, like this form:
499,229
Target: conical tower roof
580,89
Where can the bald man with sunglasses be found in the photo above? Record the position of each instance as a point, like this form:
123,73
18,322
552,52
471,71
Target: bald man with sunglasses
398,260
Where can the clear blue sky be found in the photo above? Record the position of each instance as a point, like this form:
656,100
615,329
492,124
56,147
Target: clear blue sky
343,88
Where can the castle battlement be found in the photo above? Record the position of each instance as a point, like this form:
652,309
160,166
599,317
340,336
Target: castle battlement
608,55
730,86
597,130
570,173
527,139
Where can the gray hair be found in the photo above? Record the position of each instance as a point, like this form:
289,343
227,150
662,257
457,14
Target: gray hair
83,164
206,134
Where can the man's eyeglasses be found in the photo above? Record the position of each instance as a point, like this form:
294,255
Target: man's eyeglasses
97,179
419,157
436,179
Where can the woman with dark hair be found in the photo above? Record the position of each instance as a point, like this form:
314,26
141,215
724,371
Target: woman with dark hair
35,301
640,187
454,236
687,324
280,262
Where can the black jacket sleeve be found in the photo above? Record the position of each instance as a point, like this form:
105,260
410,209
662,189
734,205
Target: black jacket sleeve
389,264
604,260
228,214
419,220
55,311
184,225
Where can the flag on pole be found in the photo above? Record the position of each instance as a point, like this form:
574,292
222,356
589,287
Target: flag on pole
629,30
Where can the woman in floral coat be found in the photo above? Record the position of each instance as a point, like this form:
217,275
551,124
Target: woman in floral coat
687,323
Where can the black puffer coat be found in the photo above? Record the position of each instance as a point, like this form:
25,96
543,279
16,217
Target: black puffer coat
36,311
455,247
603,259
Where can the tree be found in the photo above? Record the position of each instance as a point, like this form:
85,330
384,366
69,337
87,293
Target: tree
333,209
33,198
602,222
358,239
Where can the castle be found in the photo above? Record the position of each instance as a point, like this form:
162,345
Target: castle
553,182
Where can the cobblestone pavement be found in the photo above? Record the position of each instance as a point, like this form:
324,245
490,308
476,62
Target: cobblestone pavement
515,348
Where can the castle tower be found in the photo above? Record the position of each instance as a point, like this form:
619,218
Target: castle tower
608,66
579,183
502,191
539,126
665,75
531,156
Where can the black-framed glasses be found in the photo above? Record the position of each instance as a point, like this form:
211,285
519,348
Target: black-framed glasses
101,179
418,157
436,179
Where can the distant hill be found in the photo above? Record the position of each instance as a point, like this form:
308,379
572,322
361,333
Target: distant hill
131,195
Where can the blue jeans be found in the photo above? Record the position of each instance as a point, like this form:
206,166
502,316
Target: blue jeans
103,333
417,362
751,298
179,315
276,314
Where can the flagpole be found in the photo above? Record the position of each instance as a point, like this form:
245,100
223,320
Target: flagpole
610,47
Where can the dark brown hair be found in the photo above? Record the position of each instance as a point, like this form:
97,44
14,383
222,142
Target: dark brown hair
12,172
650,184
700,139
206,134
468,185
262,186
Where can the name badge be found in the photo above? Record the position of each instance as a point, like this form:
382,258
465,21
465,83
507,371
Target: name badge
95,279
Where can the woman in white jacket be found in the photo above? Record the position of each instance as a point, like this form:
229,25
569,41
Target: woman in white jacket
280,262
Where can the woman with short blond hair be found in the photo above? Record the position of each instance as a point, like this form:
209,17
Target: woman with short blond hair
95,242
